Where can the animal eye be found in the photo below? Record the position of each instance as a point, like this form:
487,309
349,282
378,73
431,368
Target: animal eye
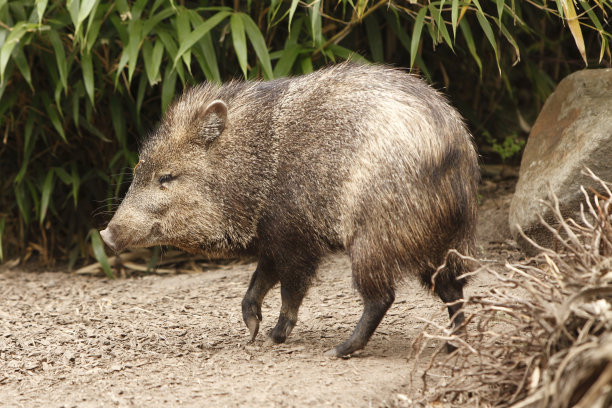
165,178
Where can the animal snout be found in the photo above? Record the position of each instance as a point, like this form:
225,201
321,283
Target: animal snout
107,237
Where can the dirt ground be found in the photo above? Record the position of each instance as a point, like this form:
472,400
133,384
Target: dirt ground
80,341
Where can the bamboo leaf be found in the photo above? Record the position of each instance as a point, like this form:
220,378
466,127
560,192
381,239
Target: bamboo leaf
559,8
23,66
51,112
239,41
22,202
199,55
329,54
100,254
121,65
156,59
416,34
347,54
512,41
93,29
183,28
11,41
464,10
292,8
589,10
152,264
294,34
63,175
500,9
200,31
118,120
598,25
315,23
147,54
440,25
469,39
275,6
168,87
259,44
124,8
88,77
47,189
205,53
133,47
156,19
486,27
574,25
286,61
306,65
142,87
374,38
76,182
41,6
85,8
172,50
454,17
28,146
73,9
34,195
75,103
152,56
94,131
361,8
137,8
210,58
60,57
405,40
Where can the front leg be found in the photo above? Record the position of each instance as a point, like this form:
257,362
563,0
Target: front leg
292,299
295,279
263,279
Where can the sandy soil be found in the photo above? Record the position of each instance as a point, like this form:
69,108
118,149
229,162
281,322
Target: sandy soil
76,341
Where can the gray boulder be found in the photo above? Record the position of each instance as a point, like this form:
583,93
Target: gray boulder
573,131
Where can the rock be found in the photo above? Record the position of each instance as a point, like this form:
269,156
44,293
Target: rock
573,131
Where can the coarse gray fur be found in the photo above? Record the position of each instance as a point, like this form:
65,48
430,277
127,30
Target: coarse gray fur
365,159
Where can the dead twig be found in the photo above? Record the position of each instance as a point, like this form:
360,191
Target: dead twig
542,335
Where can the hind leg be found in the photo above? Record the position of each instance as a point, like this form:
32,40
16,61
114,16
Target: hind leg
295,278
263,279
377,292
450,290
374,309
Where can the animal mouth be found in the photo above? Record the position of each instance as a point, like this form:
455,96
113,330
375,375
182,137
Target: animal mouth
118,239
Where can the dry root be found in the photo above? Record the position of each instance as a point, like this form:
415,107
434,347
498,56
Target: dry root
542,335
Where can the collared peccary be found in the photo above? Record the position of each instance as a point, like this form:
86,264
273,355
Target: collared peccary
365,159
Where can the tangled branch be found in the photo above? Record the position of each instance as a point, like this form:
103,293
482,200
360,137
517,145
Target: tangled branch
541,336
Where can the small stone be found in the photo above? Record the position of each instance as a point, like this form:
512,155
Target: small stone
69,355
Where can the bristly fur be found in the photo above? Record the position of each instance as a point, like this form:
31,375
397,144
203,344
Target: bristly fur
367,159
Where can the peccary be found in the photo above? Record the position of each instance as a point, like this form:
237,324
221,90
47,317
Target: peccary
365,159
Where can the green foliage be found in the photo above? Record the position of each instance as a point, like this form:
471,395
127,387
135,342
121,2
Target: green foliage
508,147
82,81
99,254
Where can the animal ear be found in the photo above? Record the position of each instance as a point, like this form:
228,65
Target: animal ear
211,121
